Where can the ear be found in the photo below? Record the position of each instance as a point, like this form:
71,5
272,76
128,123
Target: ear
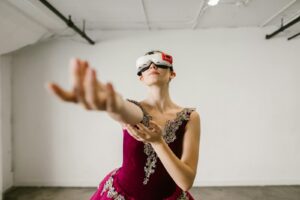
173,74
141,77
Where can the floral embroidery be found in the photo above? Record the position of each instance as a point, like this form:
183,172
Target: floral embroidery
172,126
108,186
169,135
150,163
183,196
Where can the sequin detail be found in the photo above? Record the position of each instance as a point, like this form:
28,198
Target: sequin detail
183,196
150,163
111,191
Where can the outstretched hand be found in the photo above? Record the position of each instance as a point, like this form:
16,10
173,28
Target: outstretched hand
86,89
140,132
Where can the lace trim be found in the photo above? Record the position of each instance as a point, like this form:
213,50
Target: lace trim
112,193
183,196
172,126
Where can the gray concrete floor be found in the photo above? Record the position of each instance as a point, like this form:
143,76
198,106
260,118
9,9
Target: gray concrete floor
200,193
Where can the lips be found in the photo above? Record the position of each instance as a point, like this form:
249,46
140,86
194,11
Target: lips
155,73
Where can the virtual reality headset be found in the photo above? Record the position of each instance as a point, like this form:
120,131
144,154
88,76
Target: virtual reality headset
160,59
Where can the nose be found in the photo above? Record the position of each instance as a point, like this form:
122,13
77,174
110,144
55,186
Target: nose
153,66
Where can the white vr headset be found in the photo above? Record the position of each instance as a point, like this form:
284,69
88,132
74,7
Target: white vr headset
161,60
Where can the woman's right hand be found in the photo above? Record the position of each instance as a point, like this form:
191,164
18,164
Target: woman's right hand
87,90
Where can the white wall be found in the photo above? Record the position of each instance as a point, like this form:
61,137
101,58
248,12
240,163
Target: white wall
6,174
245,88
17,28
1,163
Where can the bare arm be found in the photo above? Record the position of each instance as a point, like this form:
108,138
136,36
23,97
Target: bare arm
183,170
92,94
128,113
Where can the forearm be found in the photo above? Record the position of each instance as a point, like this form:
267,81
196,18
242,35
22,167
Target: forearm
127,112
182,174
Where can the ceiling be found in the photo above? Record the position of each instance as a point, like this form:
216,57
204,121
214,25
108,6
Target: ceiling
29,21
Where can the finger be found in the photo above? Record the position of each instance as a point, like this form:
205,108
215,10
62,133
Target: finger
100,85
62,94
83,70
84,67
90,87
101,92
154,125
132,132
148,131
76,75
111,96
142,127
144,131
140,132
78,82
73,67
134,136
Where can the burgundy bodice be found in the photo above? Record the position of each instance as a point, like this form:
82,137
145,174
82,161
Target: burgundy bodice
142,175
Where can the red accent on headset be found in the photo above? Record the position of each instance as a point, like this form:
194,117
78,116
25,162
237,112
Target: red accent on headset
167,58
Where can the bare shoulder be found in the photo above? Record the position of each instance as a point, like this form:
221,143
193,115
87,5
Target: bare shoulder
195,116
194,119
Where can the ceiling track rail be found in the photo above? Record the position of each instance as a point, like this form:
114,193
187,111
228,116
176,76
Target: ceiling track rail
282,28
292,37
69,21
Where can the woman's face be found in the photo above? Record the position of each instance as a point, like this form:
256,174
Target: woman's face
155,75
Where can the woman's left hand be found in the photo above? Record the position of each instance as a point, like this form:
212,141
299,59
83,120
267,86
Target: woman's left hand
151,134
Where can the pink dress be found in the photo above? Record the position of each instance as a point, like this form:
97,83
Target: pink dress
142,176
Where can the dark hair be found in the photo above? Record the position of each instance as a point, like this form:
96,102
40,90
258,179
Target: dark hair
152,52
155,51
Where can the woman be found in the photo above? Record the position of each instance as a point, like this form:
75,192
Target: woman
160,138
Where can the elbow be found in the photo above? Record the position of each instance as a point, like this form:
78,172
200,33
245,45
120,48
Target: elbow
187,186
187,182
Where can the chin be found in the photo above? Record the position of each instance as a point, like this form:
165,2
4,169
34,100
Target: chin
155,82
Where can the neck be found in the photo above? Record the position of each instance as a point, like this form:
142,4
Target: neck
159,97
